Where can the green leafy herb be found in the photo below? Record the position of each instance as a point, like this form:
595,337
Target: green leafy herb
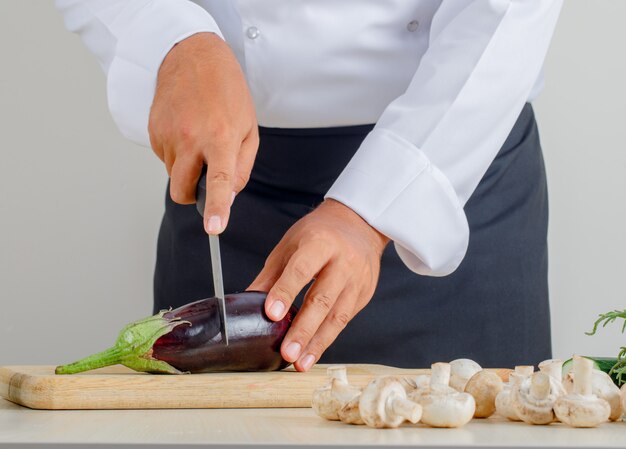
619,369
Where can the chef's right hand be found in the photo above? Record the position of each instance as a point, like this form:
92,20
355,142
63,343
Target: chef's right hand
203,113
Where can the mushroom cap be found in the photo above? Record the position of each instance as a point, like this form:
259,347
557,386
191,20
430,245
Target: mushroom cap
350,413
422,381
603,387
622,393
532,409
556,386
582,411
409,383
504,404
505,400
417,394
324,404
343,392
450,409
330,398
484,386
460,372
422,386
374,399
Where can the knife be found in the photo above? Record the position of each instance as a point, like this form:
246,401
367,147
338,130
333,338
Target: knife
216,260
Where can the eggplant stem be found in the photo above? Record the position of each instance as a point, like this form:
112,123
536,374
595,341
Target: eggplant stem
108,357
133,348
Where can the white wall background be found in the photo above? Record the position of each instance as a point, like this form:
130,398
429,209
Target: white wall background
80,206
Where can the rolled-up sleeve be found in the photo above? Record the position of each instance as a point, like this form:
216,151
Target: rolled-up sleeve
414,172
131,38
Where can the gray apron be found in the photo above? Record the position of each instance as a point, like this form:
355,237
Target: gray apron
493,308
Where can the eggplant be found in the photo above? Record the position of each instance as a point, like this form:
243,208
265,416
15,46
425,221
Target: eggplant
188,340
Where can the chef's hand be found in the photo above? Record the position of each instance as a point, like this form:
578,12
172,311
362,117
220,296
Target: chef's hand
203,113
337,248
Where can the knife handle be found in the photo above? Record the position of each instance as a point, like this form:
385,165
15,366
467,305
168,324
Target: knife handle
201,192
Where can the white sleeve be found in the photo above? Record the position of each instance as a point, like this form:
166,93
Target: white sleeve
414,172
130,38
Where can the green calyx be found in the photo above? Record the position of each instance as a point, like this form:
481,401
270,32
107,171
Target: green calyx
133,348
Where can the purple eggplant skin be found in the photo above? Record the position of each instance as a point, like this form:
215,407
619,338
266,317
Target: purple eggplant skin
254,340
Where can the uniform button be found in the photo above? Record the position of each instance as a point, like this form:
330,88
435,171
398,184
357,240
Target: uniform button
412,25
252,32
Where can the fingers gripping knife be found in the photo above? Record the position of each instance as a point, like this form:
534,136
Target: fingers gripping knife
216,261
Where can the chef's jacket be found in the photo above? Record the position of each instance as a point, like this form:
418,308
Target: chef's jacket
444,81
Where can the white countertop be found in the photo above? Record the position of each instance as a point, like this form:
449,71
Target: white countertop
273,427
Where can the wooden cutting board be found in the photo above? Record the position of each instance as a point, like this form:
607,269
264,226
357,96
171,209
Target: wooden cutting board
117,387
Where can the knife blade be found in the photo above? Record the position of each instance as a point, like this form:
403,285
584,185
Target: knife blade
218,283
216,260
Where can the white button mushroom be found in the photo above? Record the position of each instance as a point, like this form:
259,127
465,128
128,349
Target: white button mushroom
442,405
422,381
582,408
329,399
534,399
460,372
602,386
350,412
411,384
384,403
554,368
484,387
504,400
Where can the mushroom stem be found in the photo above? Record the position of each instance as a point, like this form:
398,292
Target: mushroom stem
540,386
439,374
337,372
516,379
553,368
582,375
405,408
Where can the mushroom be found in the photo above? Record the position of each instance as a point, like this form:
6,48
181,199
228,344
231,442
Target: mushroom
422,381
602,386
554,368
329,399
484,386
414,385
582,408
350,412
534,398
442,405
622,393
384,403
411,384
460,372
504,400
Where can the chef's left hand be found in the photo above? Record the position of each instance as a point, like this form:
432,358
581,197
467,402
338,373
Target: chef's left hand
339,250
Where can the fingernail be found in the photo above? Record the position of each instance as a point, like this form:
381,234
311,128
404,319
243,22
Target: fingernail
307,362
232,199
292,351
277,309
214,224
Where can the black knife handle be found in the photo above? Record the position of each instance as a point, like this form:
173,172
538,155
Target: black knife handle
201,192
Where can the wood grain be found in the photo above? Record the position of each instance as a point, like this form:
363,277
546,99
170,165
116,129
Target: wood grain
117,387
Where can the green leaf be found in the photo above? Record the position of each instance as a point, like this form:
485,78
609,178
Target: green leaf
606,318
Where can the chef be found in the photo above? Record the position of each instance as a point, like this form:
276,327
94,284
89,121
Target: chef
376,161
